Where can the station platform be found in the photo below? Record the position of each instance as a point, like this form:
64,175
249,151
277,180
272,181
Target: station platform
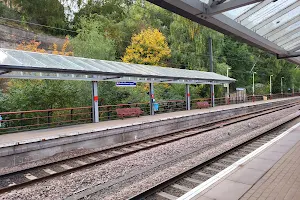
271,173
22,147
52,133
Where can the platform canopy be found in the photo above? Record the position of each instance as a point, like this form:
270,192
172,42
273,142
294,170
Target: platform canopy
30,65
272,25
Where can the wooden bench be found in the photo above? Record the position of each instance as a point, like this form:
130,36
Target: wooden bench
126,112
202,104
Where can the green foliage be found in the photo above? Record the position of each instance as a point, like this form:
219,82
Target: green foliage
46,12
104,31
111,9
92,41
8,12
44,94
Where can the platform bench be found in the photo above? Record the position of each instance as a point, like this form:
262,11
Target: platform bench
126,112
203,104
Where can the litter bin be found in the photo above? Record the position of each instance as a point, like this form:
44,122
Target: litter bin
155,106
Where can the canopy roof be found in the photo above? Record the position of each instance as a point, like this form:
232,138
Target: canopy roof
30,65
272,25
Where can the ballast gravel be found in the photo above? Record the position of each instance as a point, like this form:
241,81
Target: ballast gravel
65,186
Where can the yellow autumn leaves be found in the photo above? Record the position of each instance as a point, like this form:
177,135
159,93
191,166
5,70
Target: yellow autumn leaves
33,46
148,47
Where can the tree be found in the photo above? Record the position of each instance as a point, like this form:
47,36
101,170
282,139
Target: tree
42,94
64,49
148,47
45,12
111,9
92,41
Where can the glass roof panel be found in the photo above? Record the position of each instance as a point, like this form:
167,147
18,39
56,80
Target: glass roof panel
5,59
284,32
279,21
292,45
46,60
24,58
288,39
233,14
64,62
79,62
266,12
101,66
94,69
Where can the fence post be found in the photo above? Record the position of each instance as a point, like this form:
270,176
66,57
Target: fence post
48,118
108,112
22,116
71,115
92,115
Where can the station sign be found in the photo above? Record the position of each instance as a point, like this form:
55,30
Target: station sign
126,84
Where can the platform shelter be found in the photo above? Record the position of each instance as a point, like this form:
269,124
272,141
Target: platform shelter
32,65
271,25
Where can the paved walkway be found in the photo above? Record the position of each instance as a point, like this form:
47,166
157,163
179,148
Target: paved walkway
273,174
281,182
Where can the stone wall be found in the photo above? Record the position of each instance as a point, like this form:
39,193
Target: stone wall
10,37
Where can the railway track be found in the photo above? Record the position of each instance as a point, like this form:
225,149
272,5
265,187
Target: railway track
180,184
25,177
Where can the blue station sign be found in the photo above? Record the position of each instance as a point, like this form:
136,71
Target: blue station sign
126,84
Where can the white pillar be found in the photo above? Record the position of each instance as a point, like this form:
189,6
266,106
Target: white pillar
95,101
271,85
151,94
187,97
253,84
211,65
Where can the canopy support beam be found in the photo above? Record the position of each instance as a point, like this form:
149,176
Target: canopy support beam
95,102
151,95
187,97
233,4
211,66
290,55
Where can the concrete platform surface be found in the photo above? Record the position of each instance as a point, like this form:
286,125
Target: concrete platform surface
53,133
272,174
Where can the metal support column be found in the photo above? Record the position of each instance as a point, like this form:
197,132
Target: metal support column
211,65
95,101
151,94
187,97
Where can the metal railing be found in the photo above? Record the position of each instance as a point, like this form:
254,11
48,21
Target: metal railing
39,119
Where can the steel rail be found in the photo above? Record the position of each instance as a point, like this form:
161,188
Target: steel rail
167,183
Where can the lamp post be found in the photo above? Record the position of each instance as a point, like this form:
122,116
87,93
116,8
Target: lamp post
253,83
253,86
271,86
281,85
227,93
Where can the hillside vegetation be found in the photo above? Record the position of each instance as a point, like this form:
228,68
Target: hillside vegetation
136,32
